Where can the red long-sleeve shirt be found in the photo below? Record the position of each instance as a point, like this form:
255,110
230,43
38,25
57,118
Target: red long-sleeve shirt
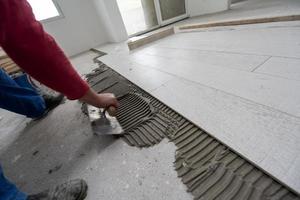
36,52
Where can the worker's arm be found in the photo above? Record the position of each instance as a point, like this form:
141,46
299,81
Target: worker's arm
36,52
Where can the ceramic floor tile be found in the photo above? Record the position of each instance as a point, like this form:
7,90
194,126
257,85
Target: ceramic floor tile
275,92
249,128
229,60
146,78
282,67
294,172
284,41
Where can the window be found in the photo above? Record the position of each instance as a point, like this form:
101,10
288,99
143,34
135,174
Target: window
44,9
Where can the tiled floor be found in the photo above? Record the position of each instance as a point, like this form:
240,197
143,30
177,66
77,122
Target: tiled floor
239,84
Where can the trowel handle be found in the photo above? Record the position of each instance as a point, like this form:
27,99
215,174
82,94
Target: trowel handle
112,111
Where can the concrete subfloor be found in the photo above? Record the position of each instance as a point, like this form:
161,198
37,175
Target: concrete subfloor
241,84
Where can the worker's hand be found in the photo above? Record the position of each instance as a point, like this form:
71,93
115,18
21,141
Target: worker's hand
107,100
104,100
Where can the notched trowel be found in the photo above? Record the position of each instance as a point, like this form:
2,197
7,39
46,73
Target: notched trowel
102,123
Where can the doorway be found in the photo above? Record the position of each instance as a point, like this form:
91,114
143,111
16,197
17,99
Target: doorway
141,16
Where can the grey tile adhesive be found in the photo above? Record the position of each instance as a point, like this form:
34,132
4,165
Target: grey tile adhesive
209,169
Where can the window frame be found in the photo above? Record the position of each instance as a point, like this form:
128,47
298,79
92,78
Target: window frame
60,14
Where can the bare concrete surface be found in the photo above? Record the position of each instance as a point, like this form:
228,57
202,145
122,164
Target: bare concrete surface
238,83
10,123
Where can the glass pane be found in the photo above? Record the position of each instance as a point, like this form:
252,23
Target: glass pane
43,9
171,8
138,15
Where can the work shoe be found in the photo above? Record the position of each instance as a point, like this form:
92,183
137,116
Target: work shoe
51,101
72,190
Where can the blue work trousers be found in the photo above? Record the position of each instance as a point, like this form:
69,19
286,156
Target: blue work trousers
20,97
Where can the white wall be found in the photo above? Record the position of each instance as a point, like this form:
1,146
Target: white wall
201,7
109,13
80,29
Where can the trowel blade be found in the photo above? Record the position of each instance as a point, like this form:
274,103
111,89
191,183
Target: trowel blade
101,125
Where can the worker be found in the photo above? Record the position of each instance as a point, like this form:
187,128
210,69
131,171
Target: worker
24,40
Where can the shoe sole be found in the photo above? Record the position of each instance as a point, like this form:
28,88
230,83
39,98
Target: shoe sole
84,189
